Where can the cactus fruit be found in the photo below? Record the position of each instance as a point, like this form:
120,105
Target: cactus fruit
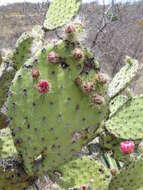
35,73
77,53
53,57
61,12
127,147
81,172
123,77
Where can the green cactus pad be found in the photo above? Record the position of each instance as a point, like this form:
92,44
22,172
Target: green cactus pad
127,122
60,12
130,177
84,171
27,45
7,148
117,103
111,143
41,124
123,77
12,176
6,76
22,51
108,141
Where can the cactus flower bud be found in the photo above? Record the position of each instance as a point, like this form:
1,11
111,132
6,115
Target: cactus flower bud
140,147
88,87
83,187
78,81
43,86
35,73
103,78
77,53
53,57
97,99
70,29
127,147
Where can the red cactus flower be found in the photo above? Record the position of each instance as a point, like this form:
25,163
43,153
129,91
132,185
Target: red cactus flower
97,99
43,86
88,87
35,73
70,29
77,53
53,57
127,147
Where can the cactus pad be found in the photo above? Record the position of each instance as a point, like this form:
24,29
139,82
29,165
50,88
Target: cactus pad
127,122
6,76
84,171
7,148
123,77
117,103
60,12
27,45
12,176
65,114
130,177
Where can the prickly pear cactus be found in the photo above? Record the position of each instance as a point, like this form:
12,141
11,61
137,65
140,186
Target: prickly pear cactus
70,103
58,101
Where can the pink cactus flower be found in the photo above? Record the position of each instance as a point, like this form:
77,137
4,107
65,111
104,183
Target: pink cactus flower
43,86
88,87
53,57
127,147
